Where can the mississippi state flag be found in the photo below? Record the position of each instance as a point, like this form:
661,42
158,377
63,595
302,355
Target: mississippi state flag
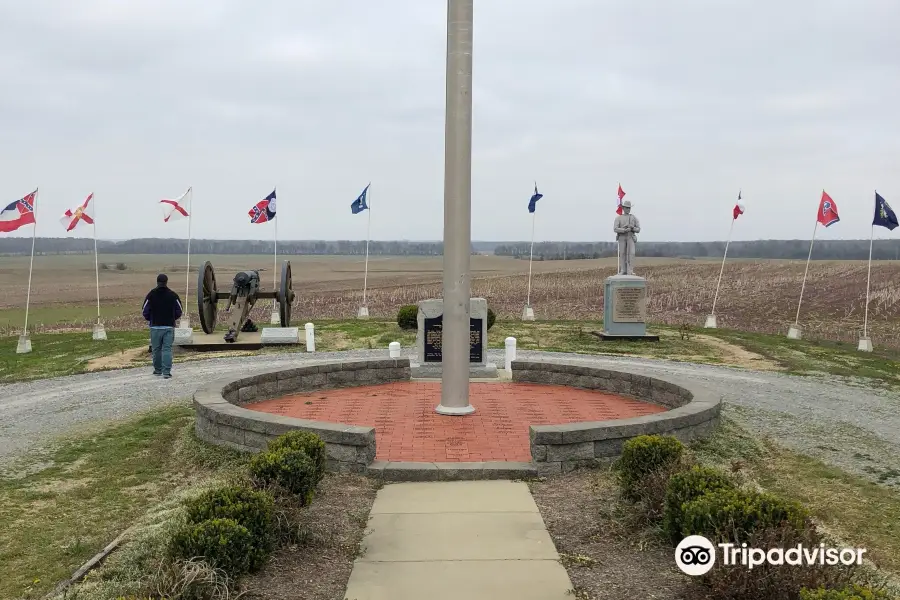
18,214
621,195
175,209
738,208
264,210
828,211
71,219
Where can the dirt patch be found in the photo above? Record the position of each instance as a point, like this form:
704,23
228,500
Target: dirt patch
606,555
61,486
333,527
739,357
122,360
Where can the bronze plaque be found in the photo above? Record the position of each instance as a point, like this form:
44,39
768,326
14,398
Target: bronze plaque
629,304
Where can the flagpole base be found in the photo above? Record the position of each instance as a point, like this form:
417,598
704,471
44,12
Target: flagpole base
363,312
528,314
184,323
794,333
454,411
275,318
710,322
865,344
24,345
99,333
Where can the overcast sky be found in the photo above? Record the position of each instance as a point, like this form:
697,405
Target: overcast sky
684,102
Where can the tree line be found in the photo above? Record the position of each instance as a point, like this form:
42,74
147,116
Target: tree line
783,249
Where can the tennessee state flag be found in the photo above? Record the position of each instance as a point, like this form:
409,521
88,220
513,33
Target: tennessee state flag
621,195
828,211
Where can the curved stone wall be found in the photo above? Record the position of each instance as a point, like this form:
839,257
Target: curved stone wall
222,419
693,412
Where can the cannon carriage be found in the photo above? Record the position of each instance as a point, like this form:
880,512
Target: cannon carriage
245,291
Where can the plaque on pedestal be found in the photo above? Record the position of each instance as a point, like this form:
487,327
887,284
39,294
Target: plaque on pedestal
429,338
625,309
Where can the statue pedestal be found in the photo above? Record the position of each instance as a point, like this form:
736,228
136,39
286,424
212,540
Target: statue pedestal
625,309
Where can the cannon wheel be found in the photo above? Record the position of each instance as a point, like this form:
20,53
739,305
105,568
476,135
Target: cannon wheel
285,294
207,297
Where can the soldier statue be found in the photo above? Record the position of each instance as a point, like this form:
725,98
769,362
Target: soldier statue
626,226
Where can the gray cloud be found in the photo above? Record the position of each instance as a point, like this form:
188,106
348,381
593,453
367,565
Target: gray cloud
683,102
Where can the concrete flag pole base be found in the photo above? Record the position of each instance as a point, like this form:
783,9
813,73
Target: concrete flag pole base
363,312
710,322
865,344
528,314
794,333
99,333
184,323
275,318
24,345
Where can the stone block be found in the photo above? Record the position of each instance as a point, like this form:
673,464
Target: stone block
538,452
247,394
280,335
433,308
612,447
231,396
548,468
365,454
341,452
355,365
267,390
253,439
341,378
460,471
231,434
564,452
365,376
329,367
411,471
289,386
572,465
508,470
545,434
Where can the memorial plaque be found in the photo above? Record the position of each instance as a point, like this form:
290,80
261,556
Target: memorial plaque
629,304
476,344
434,334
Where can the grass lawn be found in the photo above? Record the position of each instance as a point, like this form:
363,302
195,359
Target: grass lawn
61,507
856,511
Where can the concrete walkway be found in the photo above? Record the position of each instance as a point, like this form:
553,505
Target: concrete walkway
450,540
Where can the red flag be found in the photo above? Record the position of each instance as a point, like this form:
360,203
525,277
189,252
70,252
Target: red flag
828,211
71,219
173,209
621,195
18,214
738,208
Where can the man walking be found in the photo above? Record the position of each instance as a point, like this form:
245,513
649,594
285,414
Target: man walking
162,308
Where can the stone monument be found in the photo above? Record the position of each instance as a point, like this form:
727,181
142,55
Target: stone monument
625,294
429,340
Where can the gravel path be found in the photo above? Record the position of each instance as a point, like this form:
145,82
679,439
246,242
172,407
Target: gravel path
846,425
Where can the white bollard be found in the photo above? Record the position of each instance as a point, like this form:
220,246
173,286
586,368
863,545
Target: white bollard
394,348
510,353
310,337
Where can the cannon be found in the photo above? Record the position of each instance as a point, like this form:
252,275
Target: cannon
244,293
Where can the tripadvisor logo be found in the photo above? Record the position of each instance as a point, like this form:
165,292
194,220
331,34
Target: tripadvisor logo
696,555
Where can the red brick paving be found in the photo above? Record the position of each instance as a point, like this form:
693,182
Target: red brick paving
408,429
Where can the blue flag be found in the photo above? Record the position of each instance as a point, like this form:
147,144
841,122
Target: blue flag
532,204
359,204
884,216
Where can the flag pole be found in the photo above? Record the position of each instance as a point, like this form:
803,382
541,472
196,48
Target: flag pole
722,268
868,279
187,275
275,273
99,332
530,259
803,285
368,235
31,265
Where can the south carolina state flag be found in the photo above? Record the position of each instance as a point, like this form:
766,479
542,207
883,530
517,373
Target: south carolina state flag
828,211
18,214
71,219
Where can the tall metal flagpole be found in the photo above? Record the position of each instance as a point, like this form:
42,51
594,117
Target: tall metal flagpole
794,332
868,279
99,332
24,344
275,313
185,321
368,235
530,259
722,268
457,211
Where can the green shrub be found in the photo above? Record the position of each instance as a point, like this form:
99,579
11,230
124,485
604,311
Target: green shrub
223,543
292,469
408,317
852,592
643,455
686,487
731,515
304,441
249,508
491,318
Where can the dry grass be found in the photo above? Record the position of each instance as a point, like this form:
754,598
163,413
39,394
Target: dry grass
756,296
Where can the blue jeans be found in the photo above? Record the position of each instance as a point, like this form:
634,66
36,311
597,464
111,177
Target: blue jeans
161,339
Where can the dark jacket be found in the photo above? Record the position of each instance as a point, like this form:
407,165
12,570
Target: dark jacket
162,307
